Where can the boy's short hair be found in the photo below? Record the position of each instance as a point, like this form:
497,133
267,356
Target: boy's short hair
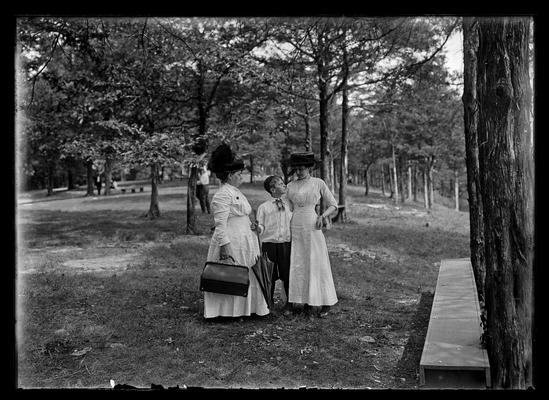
268,182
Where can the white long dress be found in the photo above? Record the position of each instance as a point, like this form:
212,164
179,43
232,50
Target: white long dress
232,225
311,280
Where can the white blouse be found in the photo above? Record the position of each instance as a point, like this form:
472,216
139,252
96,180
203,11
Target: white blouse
228,202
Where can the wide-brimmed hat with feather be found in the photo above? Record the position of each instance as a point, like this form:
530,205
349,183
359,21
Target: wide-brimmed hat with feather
224,160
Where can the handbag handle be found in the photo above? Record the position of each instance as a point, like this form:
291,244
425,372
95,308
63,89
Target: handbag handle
227,257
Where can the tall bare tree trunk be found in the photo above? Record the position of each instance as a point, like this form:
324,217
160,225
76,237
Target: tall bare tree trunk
191,199
251,168
383,178
414,169
308,136
343,159
366,180
108,175
89,178
391,181
430,184
409,181
470,108
425,187
507,186
401,182
394,172
154,209
456,189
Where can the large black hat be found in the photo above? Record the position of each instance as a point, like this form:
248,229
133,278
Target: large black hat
307,159
224,160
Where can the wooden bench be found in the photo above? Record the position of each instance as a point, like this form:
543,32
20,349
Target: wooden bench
131,185
452,354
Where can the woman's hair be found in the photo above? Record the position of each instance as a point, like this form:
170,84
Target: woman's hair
222,176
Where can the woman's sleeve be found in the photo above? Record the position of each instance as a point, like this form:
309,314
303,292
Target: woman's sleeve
327,196
220,207
290,202
260,215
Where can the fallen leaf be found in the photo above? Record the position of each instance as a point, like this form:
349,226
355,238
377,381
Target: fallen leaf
367,339
78,353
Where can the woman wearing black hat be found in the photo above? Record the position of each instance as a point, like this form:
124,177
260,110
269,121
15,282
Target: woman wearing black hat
232,238
311,281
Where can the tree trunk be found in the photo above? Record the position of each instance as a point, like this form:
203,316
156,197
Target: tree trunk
154,209
70,175
507,187
401,182
425,187
414,169
89,178
391,181
430,184
331,179
409,182
308,137
366,180
470,113
394,174
191,198
343,160
383,179
251,168
323,120
108,175
456,189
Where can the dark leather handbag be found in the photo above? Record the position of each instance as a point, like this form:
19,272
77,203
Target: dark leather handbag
218,277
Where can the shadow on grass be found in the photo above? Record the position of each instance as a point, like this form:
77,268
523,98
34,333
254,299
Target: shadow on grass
408,365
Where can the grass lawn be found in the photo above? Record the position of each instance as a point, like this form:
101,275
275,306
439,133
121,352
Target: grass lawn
104,294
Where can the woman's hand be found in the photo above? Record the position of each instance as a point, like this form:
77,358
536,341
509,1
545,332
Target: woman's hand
318,224
226,253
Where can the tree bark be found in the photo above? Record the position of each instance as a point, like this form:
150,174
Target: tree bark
470,113
154,209
507,187
366,180
343,160
308,137
323,120
251,168
108,175
89,178
191,190
401,182
415,181
425,187
394,174
456,189
383,179
430,184
409,182
391,181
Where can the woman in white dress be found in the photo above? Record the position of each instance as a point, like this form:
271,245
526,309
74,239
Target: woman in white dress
232,239
311,281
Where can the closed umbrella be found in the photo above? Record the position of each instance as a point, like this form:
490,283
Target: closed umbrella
263,270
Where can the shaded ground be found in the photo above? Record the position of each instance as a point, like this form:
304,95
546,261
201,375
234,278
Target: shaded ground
107,295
